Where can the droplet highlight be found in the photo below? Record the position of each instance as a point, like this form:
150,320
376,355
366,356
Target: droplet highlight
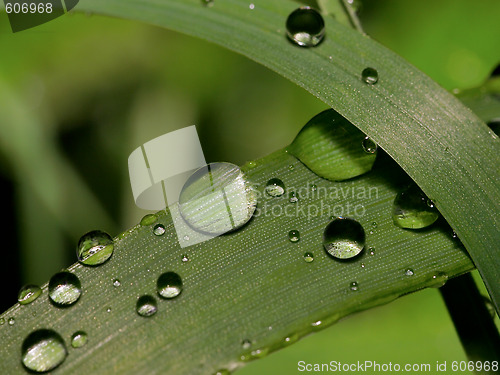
308,257
353,286
159,230
94,248
169,285
275,187
43,350
344,238
369,76
305,27
28,294
64,289
146,306
369,146
411,209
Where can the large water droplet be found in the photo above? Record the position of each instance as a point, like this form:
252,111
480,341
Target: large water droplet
94,248
370,76
344,238
275,187
169,285
28,294
64,289
332,147
294,236
217,198
305,27
159,230
411,209
146,306
43,350
78,339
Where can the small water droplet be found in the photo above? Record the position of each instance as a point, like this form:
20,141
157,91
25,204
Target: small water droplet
148,219
207,3
290,339
371,250
354,286
28,294
185,238
116,283
374,224
369,76
294,236
78,339
252,6
252,164
370,232
305,27
185,258
490,307
409,272
11,321
293,197
169,285
159,230
291,167
217,198
246,344
411,211
94,248
344,238
2,321
275,187
309,257
43,350
222,372
363,265
108,310
146,306
438,280
314,188
430,203
64,289
369,146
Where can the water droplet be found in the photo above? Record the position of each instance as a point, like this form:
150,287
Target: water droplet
305,27
94,248
374,224
159,230
294,236
169,285
78,339
409,272
308,257
2,321
185,238
369,146
207,3
222,372
11,321
371,250
438,280
314,188
217,198
185,258
146,306
28,294
252,6
354,286
411,210
252,164
369,75
108,310
275,187
246,344
293,197
291,167
363,265
149,219
43,350
290,339
64,289
344,238
430,203
116,283
331,147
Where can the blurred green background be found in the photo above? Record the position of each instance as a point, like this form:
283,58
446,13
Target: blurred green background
78,94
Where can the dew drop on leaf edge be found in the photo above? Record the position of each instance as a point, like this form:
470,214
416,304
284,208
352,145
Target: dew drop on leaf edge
94,248
28,294
305,27
64,289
